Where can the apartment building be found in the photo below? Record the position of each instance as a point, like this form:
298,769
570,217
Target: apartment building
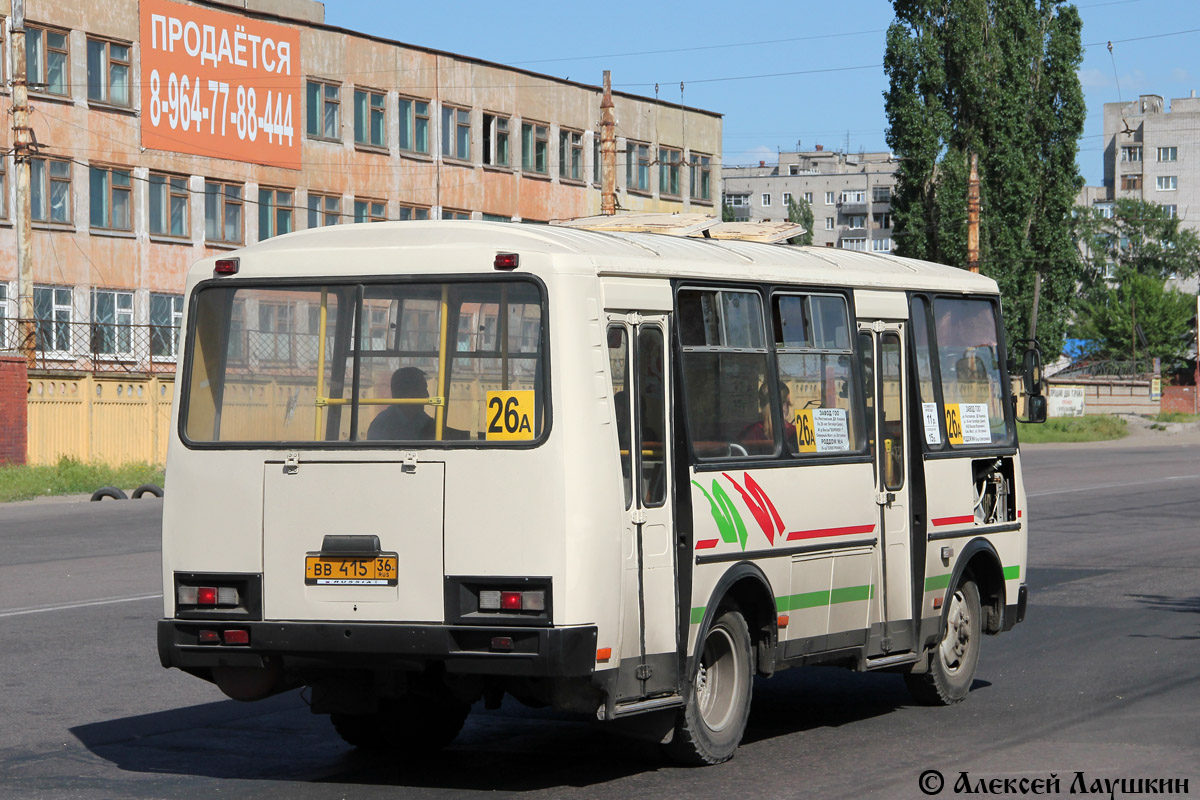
850,195
167,131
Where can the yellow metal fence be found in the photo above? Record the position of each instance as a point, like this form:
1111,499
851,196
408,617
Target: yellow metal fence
99,419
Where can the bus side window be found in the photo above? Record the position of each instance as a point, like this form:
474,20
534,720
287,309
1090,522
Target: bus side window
618,369
723,340
967,339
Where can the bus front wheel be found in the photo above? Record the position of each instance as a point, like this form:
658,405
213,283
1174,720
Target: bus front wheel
711,724
952,662
415,723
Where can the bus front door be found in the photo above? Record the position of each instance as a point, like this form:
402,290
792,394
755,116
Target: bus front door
641,393
884,352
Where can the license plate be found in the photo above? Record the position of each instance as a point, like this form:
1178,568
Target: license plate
377,570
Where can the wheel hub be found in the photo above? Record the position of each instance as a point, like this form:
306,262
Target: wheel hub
957,640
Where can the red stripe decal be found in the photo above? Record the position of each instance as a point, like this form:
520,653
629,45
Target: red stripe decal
1018,513
817,534
706,544
963,520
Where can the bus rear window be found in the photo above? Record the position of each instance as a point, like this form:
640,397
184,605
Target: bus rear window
452,362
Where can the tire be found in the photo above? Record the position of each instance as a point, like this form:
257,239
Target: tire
711,723
147,489
413,724
110,492
953,660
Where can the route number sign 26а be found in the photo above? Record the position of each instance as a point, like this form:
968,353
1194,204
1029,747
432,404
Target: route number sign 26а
220,85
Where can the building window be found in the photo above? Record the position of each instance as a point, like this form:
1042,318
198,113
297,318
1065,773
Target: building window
496,150
856,221
881,245
47,60
1167,183
596,166
413,212
370,211
700,177
1168,153
883,220
449,213
52,311
166,317
535,147
109,192
4,315
168,205
456,133
274,213
50,190
808,197
854,244
737,199
414,125
787,199
854,196
570,155
829,198
324,209
793,169
324,110
370,126
3,187
112,323
829,223
881,194
668,170
1172,211
496,218
766,200
1131,183
108,72
1131,153
637,167
222,212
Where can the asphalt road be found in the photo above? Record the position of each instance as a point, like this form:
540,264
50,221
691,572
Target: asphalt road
1102,678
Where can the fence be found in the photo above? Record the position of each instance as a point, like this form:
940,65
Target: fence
95,347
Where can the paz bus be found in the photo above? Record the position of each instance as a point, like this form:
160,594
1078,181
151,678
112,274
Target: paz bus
421,465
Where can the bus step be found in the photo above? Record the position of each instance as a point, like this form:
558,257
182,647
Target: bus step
642,706
892,661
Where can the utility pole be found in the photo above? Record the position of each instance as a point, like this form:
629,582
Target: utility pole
22,150
973,215
608,150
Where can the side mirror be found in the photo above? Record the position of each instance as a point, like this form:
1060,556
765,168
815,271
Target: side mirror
1035,407
1031,370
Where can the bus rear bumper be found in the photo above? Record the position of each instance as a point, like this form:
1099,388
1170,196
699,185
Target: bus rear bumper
466,649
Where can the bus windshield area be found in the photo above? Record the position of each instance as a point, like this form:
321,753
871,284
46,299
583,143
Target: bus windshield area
455,362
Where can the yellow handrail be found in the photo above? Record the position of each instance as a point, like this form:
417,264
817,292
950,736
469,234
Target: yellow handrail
320,364
440,409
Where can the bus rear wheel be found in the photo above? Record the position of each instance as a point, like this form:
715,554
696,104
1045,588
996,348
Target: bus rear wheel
415,723
711,724
952,662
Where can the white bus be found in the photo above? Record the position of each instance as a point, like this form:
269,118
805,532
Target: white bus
419,465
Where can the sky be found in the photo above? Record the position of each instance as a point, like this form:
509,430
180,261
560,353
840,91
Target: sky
786,76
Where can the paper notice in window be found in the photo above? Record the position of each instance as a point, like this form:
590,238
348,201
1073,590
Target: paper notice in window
968,423
822,430
932,434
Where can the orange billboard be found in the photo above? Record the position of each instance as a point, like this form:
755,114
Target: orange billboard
220,85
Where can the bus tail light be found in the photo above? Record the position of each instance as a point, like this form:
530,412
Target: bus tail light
207,596
500,600
227,266
237,636
506,262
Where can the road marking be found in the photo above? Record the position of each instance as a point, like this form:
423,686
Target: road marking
1113,485
16,612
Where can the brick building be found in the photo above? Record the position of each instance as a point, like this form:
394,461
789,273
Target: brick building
167,131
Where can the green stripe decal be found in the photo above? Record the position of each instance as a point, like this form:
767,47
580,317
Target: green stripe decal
937,582
847,594
698,615
1012,573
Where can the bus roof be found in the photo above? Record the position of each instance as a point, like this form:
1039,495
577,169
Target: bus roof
373,249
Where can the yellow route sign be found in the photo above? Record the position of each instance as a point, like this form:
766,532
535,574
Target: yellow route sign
510,415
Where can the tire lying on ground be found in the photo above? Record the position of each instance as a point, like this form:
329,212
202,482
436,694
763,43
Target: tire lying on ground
110,492
147,489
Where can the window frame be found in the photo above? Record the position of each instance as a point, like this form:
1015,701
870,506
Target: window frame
411,119
223,200
1131,154
4,315
637,163
535,134
367,123
172,337
42,78
408,212
369,206
3,186
700,166
107,222
1166,183
1131,182
765,200
108,62
452,118
116,326
570,156
324,211
670,171
274,209
170,194
324,100
496,128
53,321
1172,151
830,198
47,189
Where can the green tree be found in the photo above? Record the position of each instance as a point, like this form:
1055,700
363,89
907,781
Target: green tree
1139,236
996,78
727,214
1108,317
800,213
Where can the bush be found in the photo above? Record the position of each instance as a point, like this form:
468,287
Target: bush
71,476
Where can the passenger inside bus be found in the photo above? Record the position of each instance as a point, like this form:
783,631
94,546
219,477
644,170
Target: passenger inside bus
407,421
759,436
